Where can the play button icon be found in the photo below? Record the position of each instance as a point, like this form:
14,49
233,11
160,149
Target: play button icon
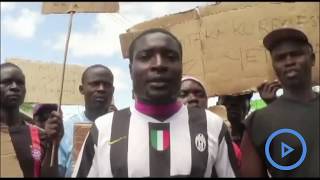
285,150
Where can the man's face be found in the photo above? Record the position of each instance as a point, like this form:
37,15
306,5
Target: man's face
12,85
193,94
237,107
292,63
97,88
156,68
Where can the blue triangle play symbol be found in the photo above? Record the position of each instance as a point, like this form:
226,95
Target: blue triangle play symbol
285,149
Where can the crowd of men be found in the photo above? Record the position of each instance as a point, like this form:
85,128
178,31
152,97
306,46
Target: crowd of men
169,130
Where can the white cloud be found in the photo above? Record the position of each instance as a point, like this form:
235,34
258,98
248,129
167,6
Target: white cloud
24,25
7,6
121,79
103,38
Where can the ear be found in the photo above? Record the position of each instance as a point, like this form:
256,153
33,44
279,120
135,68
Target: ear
130,69
112,90
313,59
81,90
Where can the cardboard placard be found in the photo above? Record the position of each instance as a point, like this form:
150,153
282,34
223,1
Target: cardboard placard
81,131
43,81
79,7
222,44
10,166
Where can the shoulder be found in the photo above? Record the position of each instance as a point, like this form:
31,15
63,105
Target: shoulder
80,117
104,120
212,122
213,119
265,114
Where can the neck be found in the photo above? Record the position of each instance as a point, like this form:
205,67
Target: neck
93,114
159,112
304,94
10,117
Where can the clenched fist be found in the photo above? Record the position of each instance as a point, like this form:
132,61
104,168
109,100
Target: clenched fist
267,91
54,126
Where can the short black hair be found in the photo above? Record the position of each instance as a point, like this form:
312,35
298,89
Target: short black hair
9,64
95,66
150,31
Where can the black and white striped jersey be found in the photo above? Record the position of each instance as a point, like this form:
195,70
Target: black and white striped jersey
191,143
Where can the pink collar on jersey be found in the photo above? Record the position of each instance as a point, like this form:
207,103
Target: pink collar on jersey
161,111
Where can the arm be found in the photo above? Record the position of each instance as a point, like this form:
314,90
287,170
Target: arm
267,91
54,131
251,164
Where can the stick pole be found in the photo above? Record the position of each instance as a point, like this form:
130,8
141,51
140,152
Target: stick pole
62,79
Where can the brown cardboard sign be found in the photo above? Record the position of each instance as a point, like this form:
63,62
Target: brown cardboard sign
79,7
222,44
43,81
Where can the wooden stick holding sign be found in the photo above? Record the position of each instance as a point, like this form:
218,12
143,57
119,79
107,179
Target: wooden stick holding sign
72,8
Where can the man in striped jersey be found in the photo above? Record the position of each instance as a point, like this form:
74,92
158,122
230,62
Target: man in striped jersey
157,136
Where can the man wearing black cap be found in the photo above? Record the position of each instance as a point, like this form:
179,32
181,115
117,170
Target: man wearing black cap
283,138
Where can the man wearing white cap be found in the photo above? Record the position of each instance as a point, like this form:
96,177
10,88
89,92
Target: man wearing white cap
193,93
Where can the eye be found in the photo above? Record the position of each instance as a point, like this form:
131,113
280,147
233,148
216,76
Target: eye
144,55
20,83
296,53
182,94
200,94
172,56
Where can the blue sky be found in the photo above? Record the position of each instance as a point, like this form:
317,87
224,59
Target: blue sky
27,34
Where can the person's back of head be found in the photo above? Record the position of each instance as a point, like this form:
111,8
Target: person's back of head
41,113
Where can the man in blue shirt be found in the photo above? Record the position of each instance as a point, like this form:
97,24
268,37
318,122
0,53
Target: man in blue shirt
97,88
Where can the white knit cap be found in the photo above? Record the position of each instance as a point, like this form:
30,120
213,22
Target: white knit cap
187,77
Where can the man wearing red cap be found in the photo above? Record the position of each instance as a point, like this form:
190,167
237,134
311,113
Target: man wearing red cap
283,138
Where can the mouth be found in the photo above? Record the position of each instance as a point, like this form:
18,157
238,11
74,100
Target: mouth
100,99
290,73
193,104
158,83
14,96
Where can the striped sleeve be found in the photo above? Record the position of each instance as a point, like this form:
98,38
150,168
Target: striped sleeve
86,164
226,162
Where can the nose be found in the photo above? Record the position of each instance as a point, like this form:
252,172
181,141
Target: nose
289,60
159,64
101,87
192,98
14,86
